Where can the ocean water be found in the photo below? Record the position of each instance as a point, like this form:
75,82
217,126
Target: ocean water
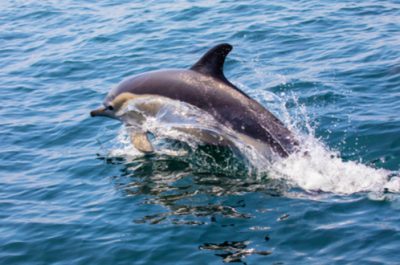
74,191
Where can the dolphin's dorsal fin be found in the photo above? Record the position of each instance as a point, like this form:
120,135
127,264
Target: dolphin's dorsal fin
212,63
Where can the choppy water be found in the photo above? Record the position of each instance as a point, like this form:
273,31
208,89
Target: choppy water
73,191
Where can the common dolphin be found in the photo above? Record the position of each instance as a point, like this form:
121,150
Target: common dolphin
204,86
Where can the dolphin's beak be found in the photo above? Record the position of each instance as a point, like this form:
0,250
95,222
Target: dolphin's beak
98,112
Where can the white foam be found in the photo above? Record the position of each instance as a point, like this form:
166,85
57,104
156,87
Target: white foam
323,170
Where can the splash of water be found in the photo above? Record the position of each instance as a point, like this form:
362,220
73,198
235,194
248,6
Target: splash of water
324,170
314,168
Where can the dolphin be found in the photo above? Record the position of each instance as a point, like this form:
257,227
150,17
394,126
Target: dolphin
204,86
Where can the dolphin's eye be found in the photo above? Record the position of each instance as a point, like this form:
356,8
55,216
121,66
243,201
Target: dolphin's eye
109,107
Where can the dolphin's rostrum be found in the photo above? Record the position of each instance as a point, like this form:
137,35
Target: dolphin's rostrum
204,86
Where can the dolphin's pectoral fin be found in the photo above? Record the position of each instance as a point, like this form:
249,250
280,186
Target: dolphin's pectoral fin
212,63
141,142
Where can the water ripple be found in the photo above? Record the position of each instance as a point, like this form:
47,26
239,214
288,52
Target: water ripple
328,69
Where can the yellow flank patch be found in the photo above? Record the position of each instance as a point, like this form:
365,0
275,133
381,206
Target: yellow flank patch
121,99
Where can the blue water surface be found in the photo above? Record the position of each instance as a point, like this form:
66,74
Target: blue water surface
63,200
